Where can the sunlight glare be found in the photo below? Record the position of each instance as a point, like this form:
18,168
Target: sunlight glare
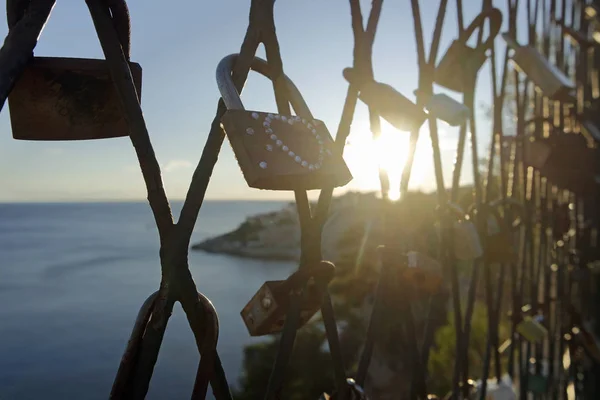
365,156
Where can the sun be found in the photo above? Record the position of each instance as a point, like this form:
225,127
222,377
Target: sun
365,156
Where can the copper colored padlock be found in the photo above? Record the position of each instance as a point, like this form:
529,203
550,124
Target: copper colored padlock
459,66
68,99
279,152
265,313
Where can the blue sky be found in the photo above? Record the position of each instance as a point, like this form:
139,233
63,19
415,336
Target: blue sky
179,47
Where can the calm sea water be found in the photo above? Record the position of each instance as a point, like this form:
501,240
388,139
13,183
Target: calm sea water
72,278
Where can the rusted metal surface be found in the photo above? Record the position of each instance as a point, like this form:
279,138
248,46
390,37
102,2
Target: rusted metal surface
68,99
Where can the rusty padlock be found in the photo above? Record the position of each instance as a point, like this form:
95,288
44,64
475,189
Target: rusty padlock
467,244
265,313
390,104
565,160
279,152
72,98
548,79
459,66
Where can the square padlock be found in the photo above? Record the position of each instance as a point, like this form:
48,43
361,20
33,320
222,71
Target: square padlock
265,313
531,329
68,99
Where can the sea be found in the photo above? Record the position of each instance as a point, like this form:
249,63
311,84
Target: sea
73,277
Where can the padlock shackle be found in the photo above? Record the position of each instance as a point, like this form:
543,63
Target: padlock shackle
231,97
495,17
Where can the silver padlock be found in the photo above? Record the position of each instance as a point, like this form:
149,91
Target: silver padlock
467,244
445,108
391,105
550,80
279,152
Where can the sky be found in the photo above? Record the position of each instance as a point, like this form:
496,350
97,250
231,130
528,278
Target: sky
179,48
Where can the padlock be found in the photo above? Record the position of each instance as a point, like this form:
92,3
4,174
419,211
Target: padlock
390,104
565,160
549,80
265,313
422,272
447,109
532,329
68,99
459,66
499,246
279,152
467,244
72,98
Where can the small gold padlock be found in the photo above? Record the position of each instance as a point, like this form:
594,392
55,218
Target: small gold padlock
68,99
279,152
550,80
265,313
390,104
459,66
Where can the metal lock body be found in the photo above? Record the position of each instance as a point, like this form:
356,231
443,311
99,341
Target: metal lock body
68,99
550,80
265,313
459,66
447,109
423,272
499,245
467,244
72,98
532,329
566,160
390,104
278,152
